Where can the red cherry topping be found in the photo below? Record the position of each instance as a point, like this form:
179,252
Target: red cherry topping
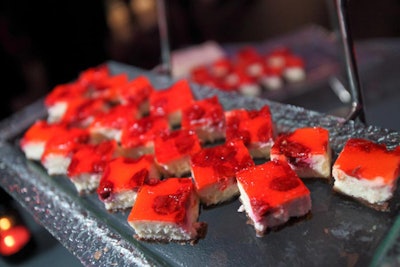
260,207
184,145
195,112
166,204
139,178
172,203
284,183
295,153
263,133
241,134
105,190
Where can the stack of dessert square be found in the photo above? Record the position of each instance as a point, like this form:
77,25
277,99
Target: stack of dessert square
164,154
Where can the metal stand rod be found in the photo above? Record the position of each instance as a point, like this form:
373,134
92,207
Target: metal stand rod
357,110
164,38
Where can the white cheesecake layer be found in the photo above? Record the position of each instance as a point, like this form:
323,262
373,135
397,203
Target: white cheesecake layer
170,231
33,150
278,216
56,164
373,191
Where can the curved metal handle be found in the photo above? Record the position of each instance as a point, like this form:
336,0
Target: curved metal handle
357,109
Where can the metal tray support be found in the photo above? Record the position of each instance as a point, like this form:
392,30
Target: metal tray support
341,8
357,109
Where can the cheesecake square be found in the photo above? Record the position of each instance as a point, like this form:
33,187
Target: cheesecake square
167,211
214,171
170,102
307,151
173,151
368,172
88,163
271,194
135,92
122,179
137,137
205,117
110,124
59,149
254,127
34,140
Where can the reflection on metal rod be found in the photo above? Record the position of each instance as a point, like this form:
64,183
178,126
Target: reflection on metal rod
166,67
338,88
357,110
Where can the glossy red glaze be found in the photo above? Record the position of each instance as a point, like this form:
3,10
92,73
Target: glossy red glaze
221,67
217,164
81,109
365,159
136,91
41,131
109,82
271,185
67,143
252,126
117,117
91,158
143,130
297,147
204,113
123,174
65,92
175,145
93,75
175,98
166,201
200,75
247,55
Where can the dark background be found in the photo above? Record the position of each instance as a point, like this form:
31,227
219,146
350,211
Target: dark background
44,43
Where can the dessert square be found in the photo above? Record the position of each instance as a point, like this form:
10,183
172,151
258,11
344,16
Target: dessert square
221,67
137,138
173,151
171,101
59,149
88,163
205,117
368,172
249,61
109,125
214,171
35,138
294,70
80,111
92,76
272,193
135,92
254,127
167,211
57,101
100,83
307,151
122,179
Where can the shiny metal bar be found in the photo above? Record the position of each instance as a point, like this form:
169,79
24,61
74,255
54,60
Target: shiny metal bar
357,109
166,66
